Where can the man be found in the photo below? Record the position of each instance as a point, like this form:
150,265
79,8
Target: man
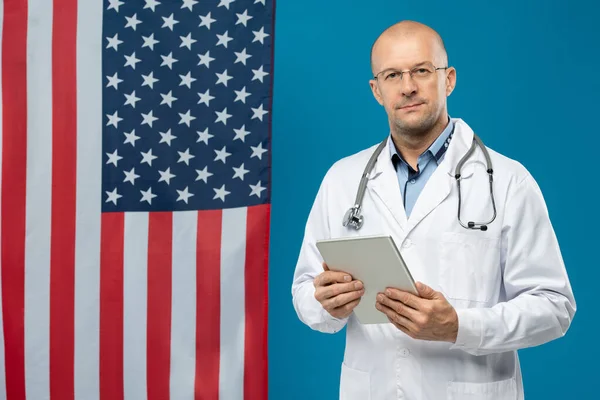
483,294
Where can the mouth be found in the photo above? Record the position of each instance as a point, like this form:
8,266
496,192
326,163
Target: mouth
411,107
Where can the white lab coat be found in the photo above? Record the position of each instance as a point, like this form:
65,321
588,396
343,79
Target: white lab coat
508,284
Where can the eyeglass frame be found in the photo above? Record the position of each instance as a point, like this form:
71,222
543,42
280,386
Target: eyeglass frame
410,71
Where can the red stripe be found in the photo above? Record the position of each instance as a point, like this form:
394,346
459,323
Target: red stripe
111,306
160,249
14,167
64,148
208,304
256,289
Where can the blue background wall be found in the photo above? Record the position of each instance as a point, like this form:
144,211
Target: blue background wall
528,83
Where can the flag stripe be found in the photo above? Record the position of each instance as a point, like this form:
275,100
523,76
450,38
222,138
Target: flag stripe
38,200
2,342
111,306
257,253
64,163
14,166
183,314
160,233
135,293
208,294
89,174
233,257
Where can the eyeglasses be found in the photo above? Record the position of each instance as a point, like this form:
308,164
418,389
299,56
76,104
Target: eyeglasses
419,73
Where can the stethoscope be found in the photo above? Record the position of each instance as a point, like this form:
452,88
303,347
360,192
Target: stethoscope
354,218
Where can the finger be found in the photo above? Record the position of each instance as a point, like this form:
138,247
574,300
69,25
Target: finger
342,299
325,267
329,277
347,307
398,307
326,292
406,298
395,318
426,292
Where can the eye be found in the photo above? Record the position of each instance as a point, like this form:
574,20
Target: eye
422,71
391,75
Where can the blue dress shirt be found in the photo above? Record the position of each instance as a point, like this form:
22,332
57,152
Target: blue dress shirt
412,182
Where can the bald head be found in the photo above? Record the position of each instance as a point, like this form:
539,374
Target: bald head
407,30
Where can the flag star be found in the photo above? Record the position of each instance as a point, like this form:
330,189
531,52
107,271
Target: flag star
205,97
131,176
168,99
206,21
204,136
222,116
169,22
225,3
132,22
131,137
241,95
149,42
113,158
114,4
187,79
189,4
151,4
113,196
148,157
259,112
259,74
222,155
114,42
147,195
148,118
166,176
203,174
259,1
240,172
258,151
241,133
221,193
241,57
184,195
187,41
224,39
243,18
166,137
114,119
131,99
114,81
205,59
168,60
132,60
185,157
223,78
186,118
257,189
260,36
149,80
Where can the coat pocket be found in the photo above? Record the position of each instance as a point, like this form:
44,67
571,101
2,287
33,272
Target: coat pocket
499,390
354,384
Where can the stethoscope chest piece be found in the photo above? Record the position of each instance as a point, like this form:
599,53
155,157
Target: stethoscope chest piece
353,218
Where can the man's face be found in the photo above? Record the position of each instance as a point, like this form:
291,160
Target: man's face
413,104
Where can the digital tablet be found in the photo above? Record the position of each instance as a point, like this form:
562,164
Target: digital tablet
373,260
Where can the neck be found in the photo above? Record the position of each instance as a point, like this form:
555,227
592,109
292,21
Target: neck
411,145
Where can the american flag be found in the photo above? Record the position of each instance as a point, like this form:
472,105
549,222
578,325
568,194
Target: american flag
135,198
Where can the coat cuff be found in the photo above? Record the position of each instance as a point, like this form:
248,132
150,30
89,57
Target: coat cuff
469,329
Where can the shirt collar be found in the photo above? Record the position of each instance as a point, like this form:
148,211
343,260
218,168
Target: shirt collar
437,149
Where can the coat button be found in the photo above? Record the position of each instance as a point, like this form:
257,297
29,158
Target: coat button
404,352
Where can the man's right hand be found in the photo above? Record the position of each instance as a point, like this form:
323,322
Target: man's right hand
337,292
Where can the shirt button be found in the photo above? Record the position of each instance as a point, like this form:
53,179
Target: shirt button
412,181
404,353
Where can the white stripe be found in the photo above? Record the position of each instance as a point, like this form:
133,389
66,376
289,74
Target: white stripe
38,200
2,362
183,311
87,219
233,257
135,299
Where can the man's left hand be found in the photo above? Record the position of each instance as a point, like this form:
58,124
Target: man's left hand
428,316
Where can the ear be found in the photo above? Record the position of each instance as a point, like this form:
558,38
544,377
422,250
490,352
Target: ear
450,80
375,90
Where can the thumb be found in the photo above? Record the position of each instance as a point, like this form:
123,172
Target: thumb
426,292
325,267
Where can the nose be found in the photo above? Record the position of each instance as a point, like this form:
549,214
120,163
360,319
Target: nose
407,85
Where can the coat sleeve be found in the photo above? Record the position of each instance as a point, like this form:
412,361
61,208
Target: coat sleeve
310,264
540,303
